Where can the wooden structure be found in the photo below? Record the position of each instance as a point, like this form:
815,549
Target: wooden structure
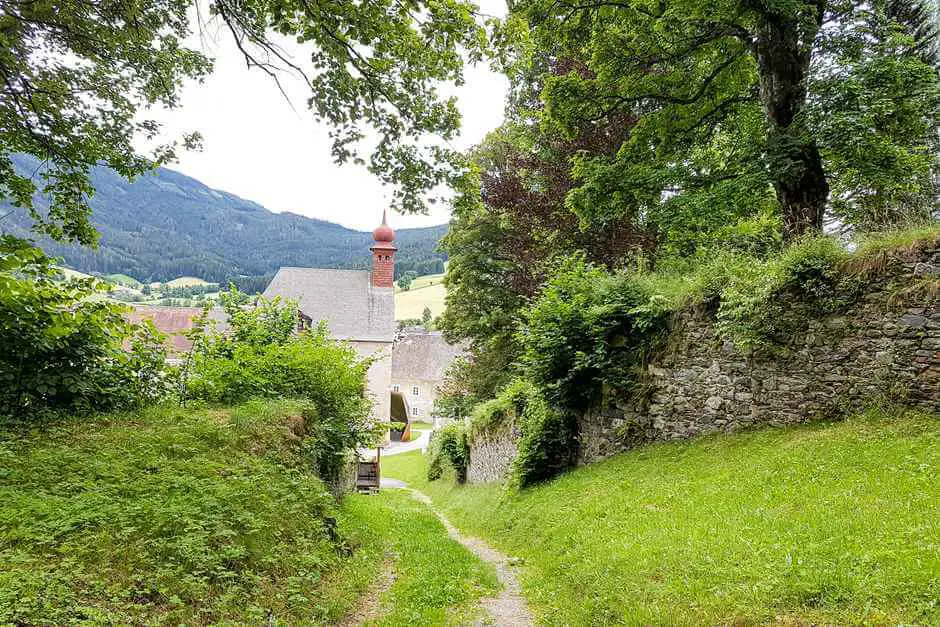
368,474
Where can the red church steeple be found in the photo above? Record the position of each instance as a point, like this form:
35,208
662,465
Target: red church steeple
383,255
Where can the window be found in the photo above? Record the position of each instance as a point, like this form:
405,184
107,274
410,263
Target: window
414,391
395,388
414,411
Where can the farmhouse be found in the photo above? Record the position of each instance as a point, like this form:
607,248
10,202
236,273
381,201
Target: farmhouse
420,360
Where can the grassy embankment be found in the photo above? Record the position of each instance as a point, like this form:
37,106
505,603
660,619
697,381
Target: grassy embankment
822,523
179,516
425,291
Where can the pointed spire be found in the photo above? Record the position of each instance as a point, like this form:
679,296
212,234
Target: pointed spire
384,232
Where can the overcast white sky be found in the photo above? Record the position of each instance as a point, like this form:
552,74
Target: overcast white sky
258,147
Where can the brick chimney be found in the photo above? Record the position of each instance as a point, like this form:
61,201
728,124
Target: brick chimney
383,255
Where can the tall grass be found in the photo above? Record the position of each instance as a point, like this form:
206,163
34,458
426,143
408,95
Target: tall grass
167,516
823,523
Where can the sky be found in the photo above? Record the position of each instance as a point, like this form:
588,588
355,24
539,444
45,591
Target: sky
261,147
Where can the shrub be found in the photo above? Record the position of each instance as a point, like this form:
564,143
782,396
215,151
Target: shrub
548,445
63,348
449,446
262,357
588,328
756,301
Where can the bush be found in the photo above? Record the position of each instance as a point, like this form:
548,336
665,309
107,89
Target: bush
262,357
449,446
65,349
548,445
588,328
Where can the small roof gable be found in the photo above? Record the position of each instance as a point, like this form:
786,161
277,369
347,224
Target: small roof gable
425,356
174,322
345,299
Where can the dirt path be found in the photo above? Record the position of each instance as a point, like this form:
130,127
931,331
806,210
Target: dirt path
508,608
370,604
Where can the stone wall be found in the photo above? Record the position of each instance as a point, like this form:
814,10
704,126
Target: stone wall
491,454
877,350
883,348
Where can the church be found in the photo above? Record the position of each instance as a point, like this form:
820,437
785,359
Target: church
358,307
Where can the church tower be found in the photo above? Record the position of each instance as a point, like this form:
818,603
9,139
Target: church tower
383,255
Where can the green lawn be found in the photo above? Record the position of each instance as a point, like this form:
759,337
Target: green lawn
168,516
421,426
436,580
832,523
176,516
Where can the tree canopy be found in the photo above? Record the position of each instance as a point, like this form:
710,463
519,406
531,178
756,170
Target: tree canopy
77,78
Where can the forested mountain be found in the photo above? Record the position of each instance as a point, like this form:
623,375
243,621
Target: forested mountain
165,225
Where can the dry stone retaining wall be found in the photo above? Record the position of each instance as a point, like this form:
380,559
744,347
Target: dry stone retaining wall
491,454
880,349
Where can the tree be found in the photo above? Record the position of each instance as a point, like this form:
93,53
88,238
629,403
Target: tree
62,349
720,92
426,317
75,78
404,282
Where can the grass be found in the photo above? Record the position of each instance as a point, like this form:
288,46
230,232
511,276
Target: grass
169,516
436,580
421,426
197,516
900,239
186,281
426,291
822,523
125,280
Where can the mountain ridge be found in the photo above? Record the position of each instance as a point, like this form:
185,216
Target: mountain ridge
166,224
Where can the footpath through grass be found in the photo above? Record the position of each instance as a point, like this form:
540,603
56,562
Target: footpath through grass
436,581
831,523
176,516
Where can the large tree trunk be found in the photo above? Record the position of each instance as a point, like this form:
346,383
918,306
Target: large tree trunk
784,46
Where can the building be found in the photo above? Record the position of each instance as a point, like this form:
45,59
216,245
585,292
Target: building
174,322
419,361
358,307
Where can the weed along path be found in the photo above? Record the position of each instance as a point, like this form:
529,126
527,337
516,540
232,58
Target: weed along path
508,608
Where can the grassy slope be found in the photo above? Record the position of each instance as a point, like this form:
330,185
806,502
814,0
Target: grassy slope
125,280
826,522
195,516
186,281
426,291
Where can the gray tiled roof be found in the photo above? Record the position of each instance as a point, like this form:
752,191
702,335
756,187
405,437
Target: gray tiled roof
345,299
425,355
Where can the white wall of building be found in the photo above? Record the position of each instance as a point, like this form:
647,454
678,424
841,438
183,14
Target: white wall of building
379,376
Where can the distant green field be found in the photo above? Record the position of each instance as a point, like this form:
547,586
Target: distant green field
72,274
125,280
411,304
423,281
186,281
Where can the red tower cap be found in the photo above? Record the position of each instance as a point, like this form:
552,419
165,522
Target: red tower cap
384,232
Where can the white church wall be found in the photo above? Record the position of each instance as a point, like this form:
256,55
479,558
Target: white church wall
379,376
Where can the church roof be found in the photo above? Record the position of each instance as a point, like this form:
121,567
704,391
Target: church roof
345,299
425,356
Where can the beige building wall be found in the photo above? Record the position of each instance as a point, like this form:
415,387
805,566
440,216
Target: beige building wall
422,402
379,376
